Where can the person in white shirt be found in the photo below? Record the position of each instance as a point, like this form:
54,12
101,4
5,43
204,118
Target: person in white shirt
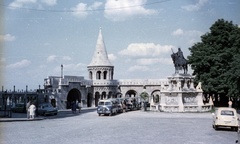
31,110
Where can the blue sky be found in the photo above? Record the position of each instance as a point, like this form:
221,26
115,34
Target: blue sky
40,35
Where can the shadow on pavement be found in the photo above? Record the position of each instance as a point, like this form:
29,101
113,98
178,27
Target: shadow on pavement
61,114
69,113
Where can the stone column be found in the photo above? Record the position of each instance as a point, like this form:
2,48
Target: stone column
162,102
180,102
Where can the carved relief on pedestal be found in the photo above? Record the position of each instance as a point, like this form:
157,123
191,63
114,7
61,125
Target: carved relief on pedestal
171,100
190,100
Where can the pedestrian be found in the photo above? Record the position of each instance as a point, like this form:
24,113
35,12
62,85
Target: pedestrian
74,107
27,109
79,106
31,110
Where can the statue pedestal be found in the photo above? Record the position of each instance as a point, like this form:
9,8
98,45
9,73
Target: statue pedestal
181,96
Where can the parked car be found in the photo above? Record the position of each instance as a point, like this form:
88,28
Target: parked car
225,117
108,106
46,109
19,107
120,104
132,104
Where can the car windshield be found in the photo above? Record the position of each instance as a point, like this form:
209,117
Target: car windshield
107,103
101,103
45,105
227,113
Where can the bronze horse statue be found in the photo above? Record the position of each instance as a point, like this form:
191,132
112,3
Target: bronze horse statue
179,61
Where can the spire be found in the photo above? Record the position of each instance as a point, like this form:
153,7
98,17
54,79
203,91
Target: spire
100,57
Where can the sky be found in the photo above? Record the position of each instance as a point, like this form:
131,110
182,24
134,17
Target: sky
37,36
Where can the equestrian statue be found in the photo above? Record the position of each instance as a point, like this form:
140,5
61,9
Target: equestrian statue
180,63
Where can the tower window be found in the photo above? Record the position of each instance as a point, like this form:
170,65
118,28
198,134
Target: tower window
105,75
98,76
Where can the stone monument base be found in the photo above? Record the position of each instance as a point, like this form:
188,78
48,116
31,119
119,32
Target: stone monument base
181,96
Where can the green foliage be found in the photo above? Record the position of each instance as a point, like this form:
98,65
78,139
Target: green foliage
144,95
216,59
156,98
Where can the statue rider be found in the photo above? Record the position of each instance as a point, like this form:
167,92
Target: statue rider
179,61
180,55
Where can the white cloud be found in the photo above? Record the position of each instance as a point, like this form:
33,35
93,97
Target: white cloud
51,58
177,32
120,10
191,36
191,33
95,5
22,64
112,57
195,7
138,68
80,10
7,37
145,49
20,3
49,2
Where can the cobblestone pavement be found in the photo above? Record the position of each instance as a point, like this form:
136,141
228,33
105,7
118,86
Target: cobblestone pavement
135,127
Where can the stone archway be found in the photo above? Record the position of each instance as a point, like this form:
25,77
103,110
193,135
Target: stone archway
104,95
73,96
131,93
155,96
118,95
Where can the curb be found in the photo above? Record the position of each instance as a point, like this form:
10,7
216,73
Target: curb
38,118
19,119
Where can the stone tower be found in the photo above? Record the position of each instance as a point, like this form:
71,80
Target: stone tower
100,67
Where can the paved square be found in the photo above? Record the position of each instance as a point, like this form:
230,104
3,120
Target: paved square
131,127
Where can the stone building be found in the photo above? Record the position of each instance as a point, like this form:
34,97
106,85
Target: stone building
175,93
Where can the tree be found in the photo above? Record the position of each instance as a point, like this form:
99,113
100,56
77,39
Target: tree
144,96
216,59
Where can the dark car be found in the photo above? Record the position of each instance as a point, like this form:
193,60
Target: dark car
19,107
46,109
108,106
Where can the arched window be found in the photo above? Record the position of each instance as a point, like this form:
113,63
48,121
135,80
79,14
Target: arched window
90,75
98,75
105,75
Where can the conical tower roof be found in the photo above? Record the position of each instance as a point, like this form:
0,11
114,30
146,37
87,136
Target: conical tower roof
100,57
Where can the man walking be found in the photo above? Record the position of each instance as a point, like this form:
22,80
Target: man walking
32,109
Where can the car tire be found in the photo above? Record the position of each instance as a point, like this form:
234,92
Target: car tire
99,114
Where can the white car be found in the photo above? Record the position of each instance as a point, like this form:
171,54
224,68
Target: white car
225,117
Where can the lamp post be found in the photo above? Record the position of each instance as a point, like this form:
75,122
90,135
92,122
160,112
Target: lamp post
37,100
61,70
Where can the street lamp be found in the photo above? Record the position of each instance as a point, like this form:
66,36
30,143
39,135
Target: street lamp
61,70
37,100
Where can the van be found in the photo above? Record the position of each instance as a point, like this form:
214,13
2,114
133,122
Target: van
225,117
108,106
